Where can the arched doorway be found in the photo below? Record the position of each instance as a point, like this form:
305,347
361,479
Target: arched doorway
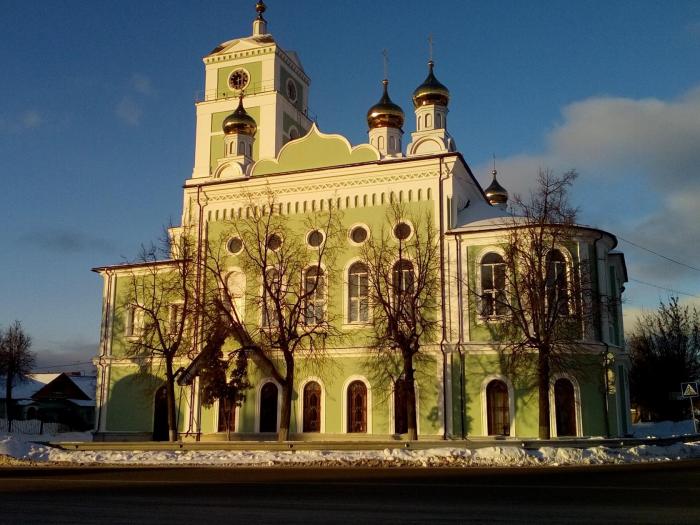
357,407
565,407
268,408
400,412
227,415
498,408
312,407
160,415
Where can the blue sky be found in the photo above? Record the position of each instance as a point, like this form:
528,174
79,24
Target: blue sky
97,122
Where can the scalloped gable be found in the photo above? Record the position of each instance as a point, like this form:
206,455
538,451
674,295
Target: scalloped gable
315,150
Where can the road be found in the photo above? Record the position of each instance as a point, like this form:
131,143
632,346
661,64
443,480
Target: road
658,493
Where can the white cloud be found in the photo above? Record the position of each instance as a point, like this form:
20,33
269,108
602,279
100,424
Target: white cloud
639,161
129,111
26,120
142,84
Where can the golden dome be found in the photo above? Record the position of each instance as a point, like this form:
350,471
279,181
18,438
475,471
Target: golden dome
239,121
385,114
495,193
431,91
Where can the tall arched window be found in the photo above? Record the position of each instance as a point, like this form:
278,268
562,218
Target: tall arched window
400,412
493,285
438,120
402,283
312,407
268,407
271,291
314,295
235,284
565,407
358,293
557,282
357,407
498,408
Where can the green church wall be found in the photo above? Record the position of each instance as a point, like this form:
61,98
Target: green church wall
285,76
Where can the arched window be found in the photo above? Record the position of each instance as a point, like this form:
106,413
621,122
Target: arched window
565,407
428,121
314,295
268,407
557,282
235,284
227,415
380,143
493,285
312,407
400,412
402,284
497,408
357,407
271,292
438,120
358,293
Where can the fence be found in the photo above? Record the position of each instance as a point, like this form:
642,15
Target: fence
34,427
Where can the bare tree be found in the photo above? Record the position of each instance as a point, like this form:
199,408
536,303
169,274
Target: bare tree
16,362
665,350
403,284
160,306
535,300
274,303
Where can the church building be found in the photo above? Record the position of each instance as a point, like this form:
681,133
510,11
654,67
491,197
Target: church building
255,138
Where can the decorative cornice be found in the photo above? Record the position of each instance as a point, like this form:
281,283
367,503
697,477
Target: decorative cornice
322,186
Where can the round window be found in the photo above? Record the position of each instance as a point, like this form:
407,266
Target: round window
239,79
315,238
359,234
234,245
291,90
402,231
274,242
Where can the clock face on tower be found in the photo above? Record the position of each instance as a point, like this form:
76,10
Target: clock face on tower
239,79
291,90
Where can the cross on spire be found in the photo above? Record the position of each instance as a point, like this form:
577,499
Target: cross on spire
385,54
430,46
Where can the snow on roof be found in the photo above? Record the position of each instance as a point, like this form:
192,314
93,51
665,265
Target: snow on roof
83,402
480,214
87,385
27,388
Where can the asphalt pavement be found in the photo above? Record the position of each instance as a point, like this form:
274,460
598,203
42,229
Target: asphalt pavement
641,493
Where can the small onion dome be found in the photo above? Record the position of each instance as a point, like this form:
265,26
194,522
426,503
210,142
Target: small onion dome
495,193
260,8
385,114
240,122
431,91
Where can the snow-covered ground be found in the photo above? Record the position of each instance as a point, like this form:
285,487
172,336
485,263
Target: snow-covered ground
22,447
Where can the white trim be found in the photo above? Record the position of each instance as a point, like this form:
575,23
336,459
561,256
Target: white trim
552,403
484,403
399,221
242,88
480,319
258,390
300,404
344,406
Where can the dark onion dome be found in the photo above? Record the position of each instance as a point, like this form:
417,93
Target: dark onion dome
240,122
260,8
495,193
385,114
431,91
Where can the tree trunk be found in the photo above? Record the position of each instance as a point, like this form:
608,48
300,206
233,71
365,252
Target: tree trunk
410,397
170,394
286,409
543,373
8,399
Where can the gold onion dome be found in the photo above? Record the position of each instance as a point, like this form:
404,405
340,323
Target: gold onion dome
240,122
385,114
495,193
431,91
260,8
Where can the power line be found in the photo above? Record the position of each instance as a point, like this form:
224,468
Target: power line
77,363
664,288
659,255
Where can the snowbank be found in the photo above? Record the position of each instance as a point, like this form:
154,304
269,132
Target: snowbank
503,456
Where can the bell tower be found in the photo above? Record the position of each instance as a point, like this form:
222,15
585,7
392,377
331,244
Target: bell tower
276,90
